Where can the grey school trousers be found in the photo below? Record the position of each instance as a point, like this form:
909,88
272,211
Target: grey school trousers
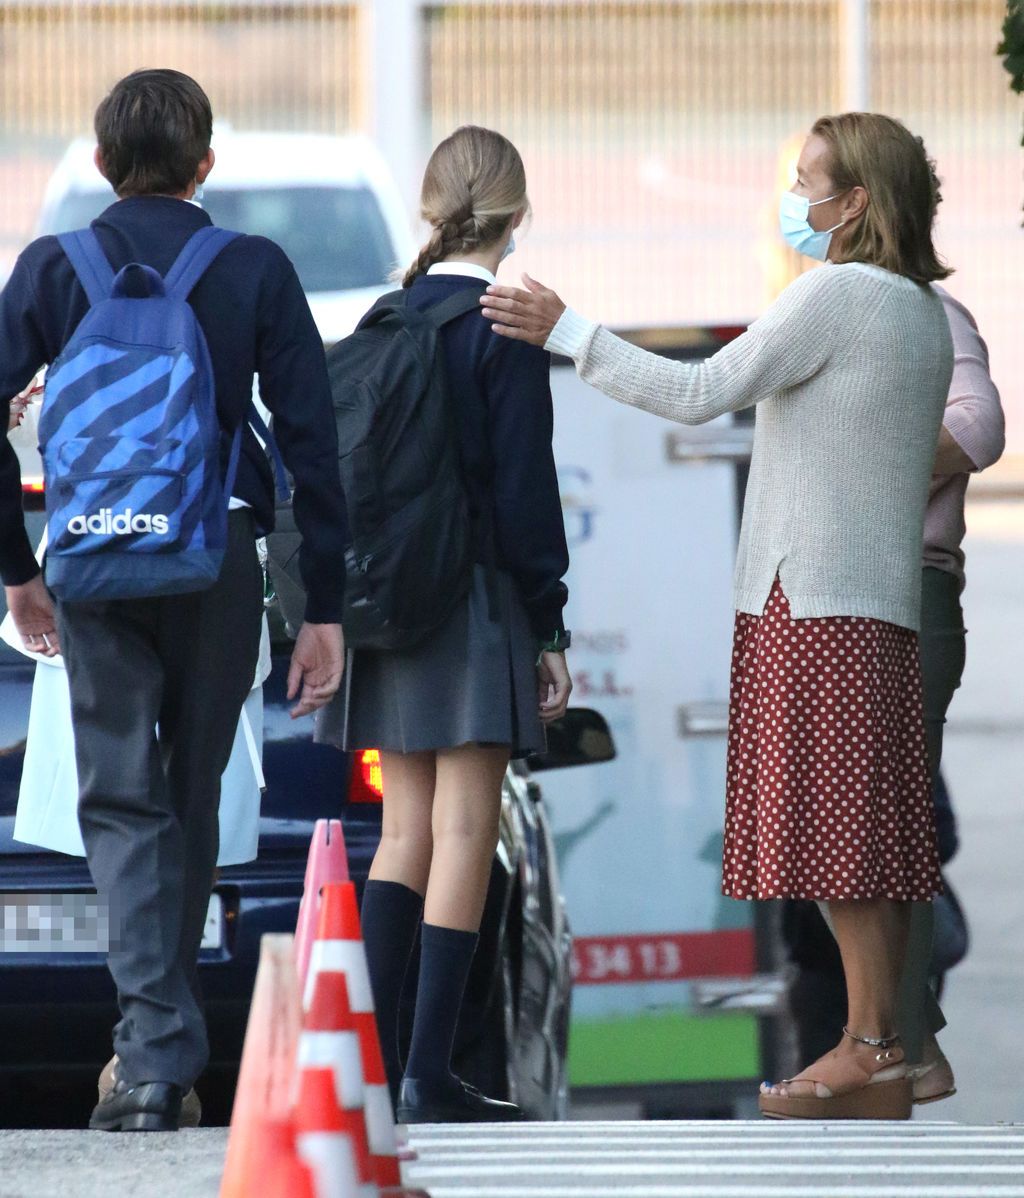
148,801
943,653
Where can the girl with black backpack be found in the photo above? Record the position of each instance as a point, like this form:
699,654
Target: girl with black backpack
449,713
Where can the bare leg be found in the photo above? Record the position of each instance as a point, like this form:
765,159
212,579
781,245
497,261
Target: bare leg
872,938
406,841
467,805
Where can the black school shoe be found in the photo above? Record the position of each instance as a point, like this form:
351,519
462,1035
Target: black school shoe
450,1101
149,1106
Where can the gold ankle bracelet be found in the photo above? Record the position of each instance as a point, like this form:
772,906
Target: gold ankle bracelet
871,1041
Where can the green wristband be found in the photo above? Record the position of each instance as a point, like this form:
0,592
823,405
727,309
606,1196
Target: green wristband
557,643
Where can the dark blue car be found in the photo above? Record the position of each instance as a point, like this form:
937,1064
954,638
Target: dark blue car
57,1008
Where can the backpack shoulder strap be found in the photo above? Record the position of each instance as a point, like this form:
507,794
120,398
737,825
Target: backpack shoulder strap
262,430
393,301
439,315
90,263
464,300
191,264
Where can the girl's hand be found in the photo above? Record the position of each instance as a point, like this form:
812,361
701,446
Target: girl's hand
553,686
523,315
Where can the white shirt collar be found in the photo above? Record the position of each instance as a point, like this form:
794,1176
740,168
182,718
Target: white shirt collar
469,269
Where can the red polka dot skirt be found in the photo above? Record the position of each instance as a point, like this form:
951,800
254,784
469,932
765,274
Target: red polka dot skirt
828,793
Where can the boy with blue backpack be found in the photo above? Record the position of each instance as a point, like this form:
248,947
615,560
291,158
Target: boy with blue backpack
153,324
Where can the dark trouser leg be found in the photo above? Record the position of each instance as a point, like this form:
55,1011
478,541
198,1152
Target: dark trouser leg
202,703
943,652
147,809
116,683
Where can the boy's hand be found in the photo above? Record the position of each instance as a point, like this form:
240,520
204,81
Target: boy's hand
318,662
34,617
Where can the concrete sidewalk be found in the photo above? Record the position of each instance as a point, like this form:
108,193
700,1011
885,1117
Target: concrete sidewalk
984,766
571,1160
92,1164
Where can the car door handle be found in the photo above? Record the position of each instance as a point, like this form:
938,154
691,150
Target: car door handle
713,443
703,718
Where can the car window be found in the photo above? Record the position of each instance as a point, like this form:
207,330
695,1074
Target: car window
335,236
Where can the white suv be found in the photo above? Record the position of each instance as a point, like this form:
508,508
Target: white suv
329,202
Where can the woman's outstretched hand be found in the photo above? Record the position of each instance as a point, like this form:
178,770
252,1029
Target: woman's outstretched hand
523,315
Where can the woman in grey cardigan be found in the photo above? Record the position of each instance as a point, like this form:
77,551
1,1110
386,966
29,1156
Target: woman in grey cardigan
827,783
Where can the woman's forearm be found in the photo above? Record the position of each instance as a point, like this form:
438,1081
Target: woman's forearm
788,345
684,392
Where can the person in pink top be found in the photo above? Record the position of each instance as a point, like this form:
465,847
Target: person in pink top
972,438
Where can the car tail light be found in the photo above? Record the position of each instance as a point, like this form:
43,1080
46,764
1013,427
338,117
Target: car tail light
32,486
728,332
367,783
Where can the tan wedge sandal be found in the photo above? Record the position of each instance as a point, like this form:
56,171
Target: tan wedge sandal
932,1082
856,1087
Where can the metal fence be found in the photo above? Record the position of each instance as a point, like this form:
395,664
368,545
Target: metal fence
655,133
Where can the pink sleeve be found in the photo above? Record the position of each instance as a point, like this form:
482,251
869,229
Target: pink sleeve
974,412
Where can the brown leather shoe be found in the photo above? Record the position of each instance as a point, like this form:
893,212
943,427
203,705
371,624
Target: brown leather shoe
191,1107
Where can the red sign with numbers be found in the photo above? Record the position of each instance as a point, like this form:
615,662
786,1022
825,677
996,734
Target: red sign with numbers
663,957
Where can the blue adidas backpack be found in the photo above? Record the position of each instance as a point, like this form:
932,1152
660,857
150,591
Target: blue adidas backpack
129,436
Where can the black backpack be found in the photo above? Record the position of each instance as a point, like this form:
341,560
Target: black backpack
413,539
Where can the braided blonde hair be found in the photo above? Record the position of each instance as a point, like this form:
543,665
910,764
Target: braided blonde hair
474,184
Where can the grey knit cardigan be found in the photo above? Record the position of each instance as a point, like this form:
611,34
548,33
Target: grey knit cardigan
850,369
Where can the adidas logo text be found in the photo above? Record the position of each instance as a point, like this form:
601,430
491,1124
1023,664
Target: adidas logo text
122,524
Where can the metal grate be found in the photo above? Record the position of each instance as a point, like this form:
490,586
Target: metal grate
265,66
656,134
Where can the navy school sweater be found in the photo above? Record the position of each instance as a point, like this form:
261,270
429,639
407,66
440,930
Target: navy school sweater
252,310
502,395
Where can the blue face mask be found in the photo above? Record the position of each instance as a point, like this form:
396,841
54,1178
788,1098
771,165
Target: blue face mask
509,249
796,229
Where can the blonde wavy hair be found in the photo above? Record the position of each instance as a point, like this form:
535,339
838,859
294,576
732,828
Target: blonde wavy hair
880,154
474,185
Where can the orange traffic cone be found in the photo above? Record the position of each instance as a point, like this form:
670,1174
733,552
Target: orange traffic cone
327,862
380,1118
330,1141
332,1029
330,1039
339,946
263,1095
286,1176
290,1178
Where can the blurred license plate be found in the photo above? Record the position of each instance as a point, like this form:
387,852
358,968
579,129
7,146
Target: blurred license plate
53,923
74,923
213,933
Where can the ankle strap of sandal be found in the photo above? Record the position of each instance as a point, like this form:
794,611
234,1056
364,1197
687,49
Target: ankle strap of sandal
884,1042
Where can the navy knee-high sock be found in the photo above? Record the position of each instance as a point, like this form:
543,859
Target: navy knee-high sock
390,916
445,957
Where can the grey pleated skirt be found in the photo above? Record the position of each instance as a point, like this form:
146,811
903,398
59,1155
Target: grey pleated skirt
473,681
